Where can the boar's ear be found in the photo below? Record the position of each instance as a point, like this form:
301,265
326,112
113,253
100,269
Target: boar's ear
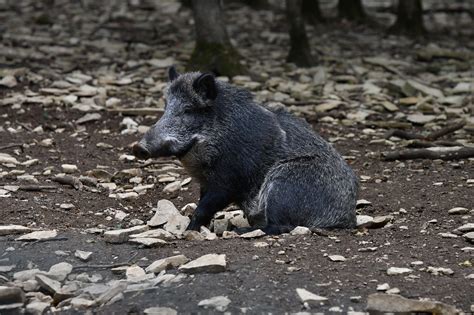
205,85
172,73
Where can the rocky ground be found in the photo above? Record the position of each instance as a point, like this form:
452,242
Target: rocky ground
81,225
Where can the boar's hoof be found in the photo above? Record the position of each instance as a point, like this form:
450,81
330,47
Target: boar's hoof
140,151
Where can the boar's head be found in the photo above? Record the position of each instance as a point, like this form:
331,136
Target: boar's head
190,99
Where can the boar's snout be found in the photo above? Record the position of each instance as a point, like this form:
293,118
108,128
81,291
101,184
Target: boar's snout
140,151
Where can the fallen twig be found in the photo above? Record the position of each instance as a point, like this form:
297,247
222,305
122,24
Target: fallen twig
161,162
444,131
107,266
427,54
319,232
28,128
376,62
299,103
30,187
443,153
59,238
430,137
88,181
388,124
68,180
429,144
137,111
13,145
402,134
36,187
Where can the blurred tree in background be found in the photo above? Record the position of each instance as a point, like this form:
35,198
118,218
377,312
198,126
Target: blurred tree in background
409,18
351,10
213,50
300,52
312,12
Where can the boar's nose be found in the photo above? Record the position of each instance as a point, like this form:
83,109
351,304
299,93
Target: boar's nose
140,151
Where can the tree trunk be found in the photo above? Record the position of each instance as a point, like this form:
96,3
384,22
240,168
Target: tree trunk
351,10
312,12
300,53
258,4
213,50
409,18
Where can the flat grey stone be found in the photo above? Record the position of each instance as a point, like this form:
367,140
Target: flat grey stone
218,303
59,271
122,235
193,236
465,228
28,274
134,273
392,271
112,292
49,285
207,234
38,235
88,118
364,221
391,303
210,263
160,311
469,237
253,234
165,209
37,307
300,230
167,263
13,229
440,270
221,225
10,295
458,210
155,233
7,268
82,255
337,258
14,308
148,241
81,303
427,90
306,296
177,224
420,118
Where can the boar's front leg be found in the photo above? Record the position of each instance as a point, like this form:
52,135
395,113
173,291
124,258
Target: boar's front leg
211,202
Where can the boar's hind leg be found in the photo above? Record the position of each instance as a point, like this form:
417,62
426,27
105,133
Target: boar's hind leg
211,201
308,192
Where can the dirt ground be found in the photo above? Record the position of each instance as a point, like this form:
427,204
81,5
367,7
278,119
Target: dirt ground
257,278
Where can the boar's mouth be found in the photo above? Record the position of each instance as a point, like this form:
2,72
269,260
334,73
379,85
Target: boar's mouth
180,150
145,150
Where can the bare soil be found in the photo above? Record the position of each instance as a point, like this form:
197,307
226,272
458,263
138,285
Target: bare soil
257,279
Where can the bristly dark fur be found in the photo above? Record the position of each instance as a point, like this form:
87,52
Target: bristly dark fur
269,162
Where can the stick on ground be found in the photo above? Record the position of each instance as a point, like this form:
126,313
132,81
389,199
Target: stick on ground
417,144
107,266
430,137
434,153
68,180
444,131
37,187
12,145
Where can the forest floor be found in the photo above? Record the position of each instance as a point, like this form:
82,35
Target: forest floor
66,75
